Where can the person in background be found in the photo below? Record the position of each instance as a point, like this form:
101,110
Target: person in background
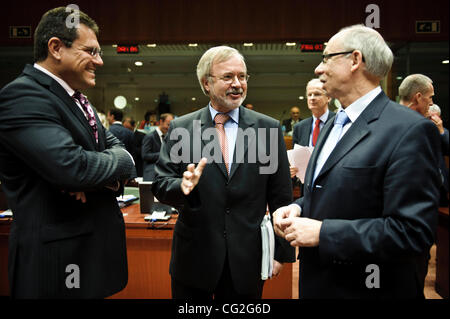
151,145
249,106
307,131
116,127
368,215
129,123
290,123
61,170
416,92
217,245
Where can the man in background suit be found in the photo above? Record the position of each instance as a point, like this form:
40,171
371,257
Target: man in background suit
151,145
60,170
116,127
307,131
138,135
368,214
416,92
217,245
291,122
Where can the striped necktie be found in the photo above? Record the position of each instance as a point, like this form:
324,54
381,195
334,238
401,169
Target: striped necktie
220,119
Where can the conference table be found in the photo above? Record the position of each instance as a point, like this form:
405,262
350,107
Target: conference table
149,250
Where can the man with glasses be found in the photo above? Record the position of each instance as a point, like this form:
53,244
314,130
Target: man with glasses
61,170
217,245
368,214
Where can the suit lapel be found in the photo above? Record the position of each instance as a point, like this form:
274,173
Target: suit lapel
306,132
359,130
59,91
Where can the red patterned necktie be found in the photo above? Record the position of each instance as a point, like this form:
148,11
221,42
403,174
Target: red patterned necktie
316,132
220,119
89,112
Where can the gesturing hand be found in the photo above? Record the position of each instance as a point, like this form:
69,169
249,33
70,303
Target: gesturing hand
192,175
283,213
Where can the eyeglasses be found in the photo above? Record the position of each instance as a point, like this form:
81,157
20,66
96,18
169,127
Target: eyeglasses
229,78
326,57
94,52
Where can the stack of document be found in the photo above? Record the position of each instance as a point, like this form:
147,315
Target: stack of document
299,158
268,248
126,200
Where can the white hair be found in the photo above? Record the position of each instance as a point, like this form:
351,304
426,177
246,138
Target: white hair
376,53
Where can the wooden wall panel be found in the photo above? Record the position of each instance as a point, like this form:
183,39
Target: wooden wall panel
208,21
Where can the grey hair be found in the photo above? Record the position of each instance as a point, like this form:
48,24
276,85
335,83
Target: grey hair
214,55
412,84
376,53
435,108
313,81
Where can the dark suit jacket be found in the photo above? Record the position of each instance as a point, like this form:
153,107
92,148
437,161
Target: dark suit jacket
151,145
124,135
47,150
377,195
222,215
302,130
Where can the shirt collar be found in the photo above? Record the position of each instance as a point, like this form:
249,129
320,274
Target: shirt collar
355,109
234,114
63,83
323,118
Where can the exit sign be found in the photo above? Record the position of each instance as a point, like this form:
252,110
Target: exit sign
19,32
311,47
428,26
125,48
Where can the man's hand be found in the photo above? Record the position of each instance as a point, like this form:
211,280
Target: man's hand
438,122
79,196
301,232
293,170
283,213
192,176
277,266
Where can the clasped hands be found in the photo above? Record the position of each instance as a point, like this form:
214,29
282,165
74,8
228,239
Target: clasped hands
299,231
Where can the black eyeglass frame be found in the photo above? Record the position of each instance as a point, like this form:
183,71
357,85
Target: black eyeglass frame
329,55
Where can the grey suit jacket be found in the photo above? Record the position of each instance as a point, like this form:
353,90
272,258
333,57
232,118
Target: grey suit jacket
377,195
47,150
222,215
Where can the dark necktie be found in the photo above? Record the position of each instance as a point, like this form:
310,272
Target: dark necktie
89,112
220,119
316,132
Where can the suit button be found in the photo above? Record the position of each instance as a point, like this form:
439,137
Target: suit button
227,210
224,234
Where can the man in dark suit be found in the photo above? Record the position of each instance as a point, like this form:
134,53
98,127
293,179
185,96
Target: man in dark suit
416,92
116,127
129,123
61,170
292,121
217,245
368,214
151,145
307,131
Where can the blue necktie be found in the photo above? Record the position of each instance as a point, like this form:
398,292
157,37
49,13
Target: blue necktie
334,137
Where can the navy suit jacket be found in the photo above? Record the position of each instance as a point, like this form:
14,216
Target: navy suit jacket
377,196
48,149
124,135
